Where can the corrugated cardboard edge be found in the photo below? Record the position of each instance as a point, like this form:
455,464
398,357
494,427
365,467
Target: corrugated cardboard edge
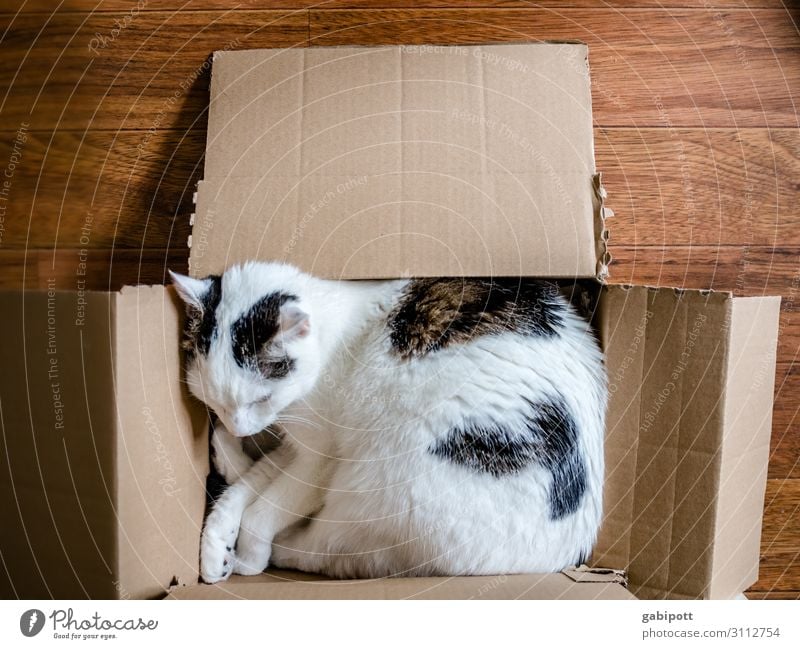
601,233
586,574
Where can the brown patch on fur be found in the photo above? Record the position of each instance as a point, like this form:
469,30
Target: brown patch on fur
201,323
192,328
436,313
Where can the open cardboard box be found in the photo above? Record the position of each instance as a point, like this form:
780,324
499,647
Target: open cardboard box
370,163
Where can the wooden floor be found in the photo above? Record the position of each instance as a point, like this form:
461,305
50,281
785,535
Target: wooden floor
103,117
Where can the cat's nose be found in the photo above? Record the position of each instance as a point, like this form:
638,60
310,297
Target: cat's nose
241,424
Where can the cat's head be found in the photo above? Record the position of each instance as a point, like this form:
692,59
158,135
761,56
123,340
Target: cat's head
250,343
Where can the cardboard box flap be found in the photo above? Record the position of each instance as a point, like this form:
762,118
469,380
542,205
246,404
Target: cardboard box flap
162,448
280,584
382,162
680,368
749,393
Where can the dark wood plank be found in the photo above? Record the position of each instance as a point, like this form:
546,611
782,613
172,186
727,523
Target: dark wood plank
649,68
713,187
775,594
132,189
784,458
704,262
677,67
94,269
780,538
701,186
44,6
744,270
78,71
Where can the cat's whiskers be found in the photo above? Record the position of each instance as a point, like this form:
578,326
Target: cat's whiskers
294,419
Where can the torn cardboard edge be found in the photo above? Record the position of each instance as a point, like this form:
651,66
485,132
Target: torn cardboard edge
584,574
601,232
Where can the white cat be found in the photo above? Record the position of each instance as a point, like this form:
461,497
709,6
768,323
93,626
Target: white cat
430,427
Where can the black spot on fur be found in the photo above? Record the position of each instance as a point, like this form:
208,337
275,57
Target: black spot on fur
201,324
435,313
252,333
549,438
277,369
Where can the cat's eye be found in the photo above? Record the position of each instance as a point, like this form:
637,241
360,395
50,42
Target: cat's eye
262,400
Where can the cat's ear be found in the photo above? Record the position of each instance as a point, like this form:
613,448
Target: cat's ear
294,323
191,290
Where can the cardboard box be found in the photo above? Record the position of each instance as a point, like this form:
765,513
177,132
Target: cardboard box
384,162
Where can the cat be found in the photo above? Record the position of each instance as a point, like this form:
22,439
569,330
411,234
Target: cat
427,426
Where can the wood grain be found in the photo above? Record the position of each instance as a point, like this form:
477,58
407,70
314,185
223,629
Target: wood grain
710,186
134,188
649,68
773,594
784,457
669,67
780,538
44,6
696,134
106,270
715,187
84,71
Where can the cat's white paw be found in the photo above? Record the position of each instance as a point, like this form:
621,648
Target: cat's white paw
253,547
217,559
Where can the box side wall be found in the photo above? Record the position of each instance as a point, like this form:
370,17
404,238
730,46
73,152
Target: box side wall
745,452
162,447
667,354
57,475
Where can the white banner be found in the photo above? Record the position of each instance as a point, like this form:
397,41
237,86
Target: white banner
389,624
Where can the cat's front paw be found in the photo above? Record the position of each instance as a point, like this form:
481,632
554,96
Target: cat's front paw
216,547
253,547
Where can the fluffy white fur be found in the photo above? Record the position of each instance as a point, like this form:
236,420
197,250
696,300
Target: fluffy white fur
360,422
